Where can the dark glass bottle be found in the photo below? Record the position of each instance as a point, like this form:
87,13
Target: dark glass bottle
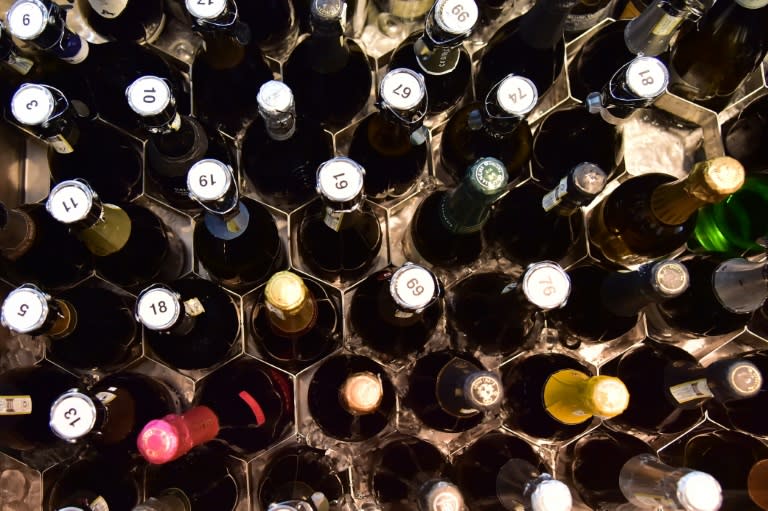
28,236
131,244
530,224
605,305
437,53
126,20
587,14
391,144
26,395
190,323
339,235
351,398
498,313
745,138
446,229
42,23
282,153
80,147
329,74
236,240
452,392
295,321
494,126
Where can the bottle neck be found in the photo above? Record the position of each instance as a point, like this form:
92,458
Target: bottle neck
164,440
650,32
741,286
17,233
361,393
626,293
328,49
170,500
582,184
109,233
466,208
572,397
230,225
726,380
519,484
280,125
464,389
58,40
293,321
437,495
542,27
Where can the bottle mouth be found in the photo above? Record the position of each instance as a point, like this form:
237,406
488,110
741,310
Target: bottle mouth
159,442
362,393
699,491
551,495
483,390
746,379
609,396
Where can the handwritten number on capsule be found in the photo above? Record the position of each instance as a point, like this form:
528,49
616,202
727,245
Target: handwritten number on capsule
67,208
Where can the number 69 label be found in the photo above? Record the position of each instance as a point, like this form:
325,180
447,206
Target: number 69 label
647,77
413,287
32,104
402,89
340,179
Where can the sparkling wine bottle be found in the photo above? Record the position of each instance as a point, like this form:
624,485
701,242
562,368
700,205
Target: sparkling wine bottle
42,23
126,20
745,137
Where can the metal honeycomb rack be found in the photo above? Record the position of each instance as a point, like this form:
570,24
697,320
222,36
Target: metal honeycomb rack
684,131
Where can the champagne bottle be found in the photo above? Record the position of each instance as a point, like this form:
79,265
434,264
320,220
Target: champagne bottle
437,53
80,147
732,35
605,305
295,321
329,74
498,313
42,23
395,311
339,235
744,137
659,22
28,235
131,244
26,395
236,240
530,224
351,398
554,397
452,392
112,412
126,20
651,216
587,14
531,45
495,126
190,323
282,153
446,229
391,143
88,327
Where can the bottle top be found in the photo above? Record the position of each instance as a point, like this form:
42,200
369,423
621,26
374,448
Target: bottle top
73,415
744,379
25,309
607,396
286,291
456,16
413,287
402,89
483,389
27,19
32,104
208,10
757,483
740,285
209,180
546,285
158,307
275,97
488,176
361,393
589,178
328,9
551,495
340,180
516,95
164,440
149,95
441,496
699,491
713,180
71,201
669,278
647,77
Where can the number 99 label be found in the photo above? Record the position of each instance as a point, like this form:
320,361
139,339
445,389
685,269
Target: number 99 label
69,202
209,179
27,19
402,89
413,287
32,104
340,179
206,9
456,16
158,308
148,95
24,310
647,77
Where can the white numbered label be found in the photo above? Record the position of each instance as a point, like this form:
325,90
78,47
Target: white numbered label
413,286
340,180
547,286
209,179
73,416
517,95
647,77
24,310
401,89
69,202
206,9
158,309
149,95
108,8
32,104
456,16
27,19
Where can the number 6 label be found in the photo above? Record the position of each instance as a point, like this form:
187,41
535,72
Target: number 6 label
26,20
402,89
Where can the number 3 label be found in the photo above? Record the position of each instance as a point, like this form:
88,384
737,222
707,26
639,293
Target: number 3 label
401,89
32,104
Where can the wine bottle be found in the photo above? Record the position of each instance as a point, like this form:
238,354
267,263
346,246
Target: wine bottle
659,22
329,74
605,305
495,126
88,327
126,20
502,470
112,412
531,45
653,215
395,311
190,323
669,387
405,10
498,313
282,153
437,53
131,244
744,137
732,35
80,147
339,235
391,143
236,240
587,14
28,236
351,398
530,224
554,397
26,395
452,392
295,321
446,229
42,23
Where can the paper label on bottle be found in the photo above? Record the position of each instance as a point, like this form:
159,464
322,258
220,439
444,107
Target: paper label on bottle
24,310
340,180
107,396
15,405
82,50
70,202
194,307
206,9
413,287
553,198
158,308
456,16
647,77
27,19
109,8
32,104
333,218
752,4
148,95
60,144
401,89
209,180
666,25
99,504
690,391
73,416
20,64
517,95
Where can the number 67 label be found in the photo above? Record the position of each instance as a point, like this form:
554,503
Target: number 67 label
402,89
